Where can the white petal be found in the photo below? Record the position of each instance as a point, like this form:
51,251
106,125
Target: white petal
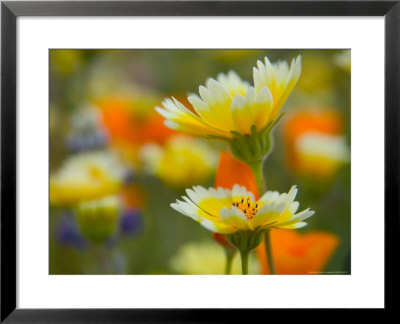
269,197
216,227
186,209
294,206
241,191
200,193
291,195
267,214
293,226
219,93
264,96
206,95
238,102
197,103
234,217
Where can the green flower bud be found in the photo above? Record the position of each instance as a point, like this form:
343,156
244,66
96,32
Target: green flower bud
246,240
97,219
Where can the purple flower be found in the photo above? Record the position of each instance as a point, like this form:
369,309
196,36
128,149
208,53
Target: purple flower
67,233
131,222
80,142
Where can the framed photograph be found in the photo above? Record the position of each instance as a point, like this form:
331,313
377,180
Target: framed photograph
182,161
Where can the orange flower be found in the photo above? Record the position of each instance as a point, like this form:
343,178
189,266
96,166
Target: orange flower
127,122
132,124
232,171
296,253
315,143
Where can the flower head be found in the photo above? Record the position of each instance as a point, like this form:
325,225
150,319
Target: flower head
296,253
229,104
133,121
228,211
86,176
182,162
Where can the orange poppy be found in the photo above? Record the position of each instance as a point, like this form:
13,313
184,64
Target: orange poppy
127,123
296,253
231,171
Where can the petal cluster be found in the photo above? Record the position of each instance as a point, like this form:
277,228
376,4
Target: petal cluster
183,161
231,104
227,211
86,176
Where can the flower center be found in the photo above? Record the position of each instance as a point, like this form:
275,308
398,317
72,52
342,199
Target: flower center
248,207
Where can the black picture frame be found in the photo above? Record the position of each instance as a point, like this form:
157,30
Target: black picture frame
10,11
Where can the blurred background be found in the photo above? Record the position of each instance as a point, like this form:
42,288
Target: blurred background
115,167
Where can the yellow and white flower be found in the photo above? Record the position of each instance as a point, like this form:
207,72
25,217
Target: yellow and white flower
321,154
228,211
207,258
183,161
230,104
86,176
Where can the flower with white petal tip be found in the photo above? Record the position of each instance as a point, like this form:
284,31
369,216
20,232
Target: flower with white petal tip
279,78
228,211
230,104
229,108
86,176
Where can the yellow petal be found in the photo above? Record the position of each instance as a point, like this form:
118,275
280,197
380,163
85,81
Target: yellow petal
217,227
279,78
212,200
180,118
235,218
296,218
267,214
218,100
240,115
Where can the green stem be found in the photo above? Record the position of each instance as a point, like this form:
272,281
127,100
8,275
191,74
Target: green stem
245,262
229,260
268,251
257,169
